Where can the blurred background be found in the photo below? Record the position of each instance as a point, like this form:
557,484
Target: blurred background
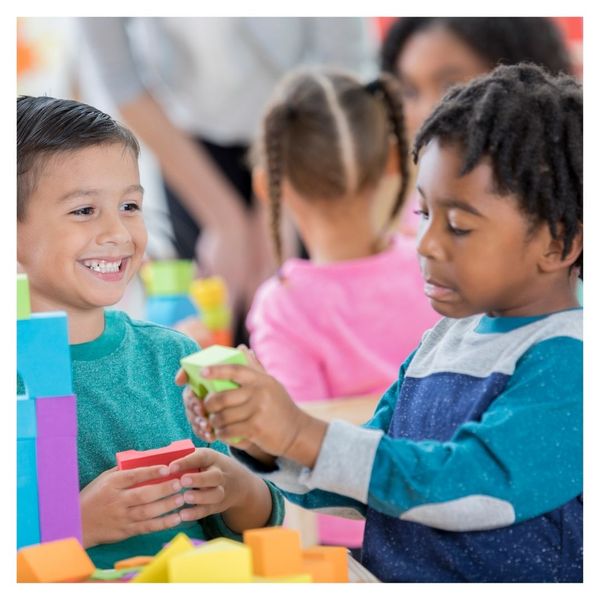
193,90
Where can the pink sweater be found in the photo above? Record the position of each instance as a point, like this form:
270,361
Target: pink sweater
339,330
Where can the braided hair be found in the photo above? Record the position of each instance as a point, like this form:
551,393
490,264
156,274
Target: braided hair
497,40
329,136
530,124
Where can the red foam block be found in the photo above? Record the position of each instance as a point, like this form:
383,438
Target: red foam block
132,459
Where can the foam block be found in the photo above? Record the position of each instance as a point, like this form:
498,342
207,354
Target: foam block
167,277
55,562
26,418
219,561
23,301
28,516
214,355
134,561
334,556
43,357
168,310
276,551
132,459
157,570
209,292
301,578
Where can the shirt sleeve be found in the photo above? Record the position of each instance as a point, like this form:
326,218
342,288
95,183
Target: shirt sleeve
113,55
522,459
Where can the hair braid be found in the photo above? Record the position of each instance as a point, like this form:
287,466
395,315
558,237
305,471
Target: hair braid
395,109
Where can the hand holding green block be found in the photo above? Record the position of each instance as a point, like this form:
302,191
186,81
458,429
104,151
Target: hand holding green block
213,355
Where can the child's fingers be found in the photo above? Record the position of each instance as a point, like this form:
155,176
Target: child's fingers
181,377
218,401
152,525
240,374
214,495
145,494
201,458
231,415
151,510
209,478
251,357
130,477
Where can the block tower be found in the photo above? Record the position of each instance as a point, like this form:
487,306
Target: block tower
47,474
167,284
210,295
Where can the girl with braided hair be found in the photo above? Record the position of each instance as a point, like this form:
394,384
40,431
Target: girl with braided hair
471,468
323,326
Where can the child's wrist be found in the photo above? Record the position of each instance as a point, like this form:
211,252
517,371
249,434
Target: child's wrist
306,446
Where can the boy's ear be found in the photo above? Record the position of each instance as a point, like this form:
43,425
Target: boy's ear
260,184
552,258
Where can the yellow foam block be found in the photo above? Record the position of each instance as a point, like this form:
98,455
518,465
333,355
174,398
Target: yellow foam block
219,561
335,556
275,551
60,561
302,578
157,570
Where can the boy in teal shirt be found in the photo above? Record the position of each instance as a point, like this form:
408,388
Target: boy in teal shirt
80,239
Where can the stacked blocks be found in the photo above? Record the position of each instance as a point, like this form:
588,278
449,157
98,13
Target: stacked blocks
61,561
47,473
167,284
210,295
216,561
131,459
268,555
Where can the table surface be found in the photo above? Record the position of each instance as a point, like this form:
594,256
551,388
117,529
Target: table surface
354,410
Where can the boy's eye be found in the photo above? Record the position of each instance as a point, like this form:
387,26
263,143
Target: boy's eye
131,207
424,215
85,211
457,231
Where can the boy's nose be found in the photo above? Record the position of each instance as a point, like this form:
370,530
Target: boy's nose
428,245
113,230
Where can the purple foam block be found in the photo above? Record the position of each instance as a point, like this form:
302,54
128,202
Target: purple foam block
58,476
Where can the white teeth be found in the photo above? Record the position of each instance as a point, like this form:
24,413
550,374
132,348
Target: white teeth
101,266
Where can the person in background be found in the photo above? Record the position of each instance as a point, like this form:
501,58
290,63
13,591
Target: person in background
429,55
80,239
338,324
471,468
192,89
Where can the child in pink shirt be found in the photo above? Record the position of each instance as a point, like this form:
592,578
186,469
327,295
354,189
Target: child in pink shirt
329,327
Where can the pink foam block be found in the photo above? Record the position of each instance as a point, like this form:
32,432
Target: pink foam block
58,476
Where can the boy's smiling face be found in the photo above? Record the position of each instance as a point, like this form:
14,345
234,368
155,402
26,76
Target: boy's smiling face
478,251
83,235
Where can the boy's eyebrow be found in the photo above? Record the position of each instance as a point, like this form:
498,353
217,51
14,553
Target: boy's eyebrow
94,192
455,203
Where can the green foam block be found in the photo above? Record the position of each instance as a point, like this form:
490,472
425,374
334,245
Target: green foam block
213,355
23,301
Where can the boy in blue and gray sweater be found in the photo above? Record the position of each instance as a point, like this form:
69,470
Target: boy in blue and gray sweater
471,467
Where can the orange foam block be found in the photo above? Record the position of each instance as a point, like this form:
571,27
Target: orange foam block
275,551
134,561
60,561
326,564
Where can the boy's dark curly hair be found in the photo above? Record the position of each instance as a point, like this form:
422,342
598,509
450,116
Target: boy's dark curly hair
530,124
498,40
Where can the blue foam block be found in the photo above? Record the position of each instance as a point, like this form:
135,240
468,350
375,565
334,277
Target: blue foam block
167,310
43,357
28,516
26,418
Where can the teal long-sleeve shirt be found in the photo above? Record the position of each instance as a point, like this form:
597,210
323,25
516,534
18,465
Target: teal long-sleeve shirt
127,399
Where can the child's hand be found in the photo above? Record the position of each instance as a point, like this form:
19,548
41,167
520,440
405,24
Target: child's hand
111,510
222,486
260,411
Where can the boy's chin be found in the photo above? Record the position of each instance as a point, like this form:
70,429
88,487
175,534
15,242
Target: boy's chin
453,311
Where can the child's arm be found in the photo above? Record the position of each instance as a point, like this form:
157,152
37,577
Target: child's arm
522,459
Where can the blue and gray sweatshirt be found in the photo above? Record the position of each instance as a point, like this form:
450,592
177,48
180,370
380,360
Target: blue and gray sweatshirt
471,467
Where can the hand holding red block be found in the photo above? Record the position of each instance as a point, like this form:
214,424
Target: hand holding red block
131,459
